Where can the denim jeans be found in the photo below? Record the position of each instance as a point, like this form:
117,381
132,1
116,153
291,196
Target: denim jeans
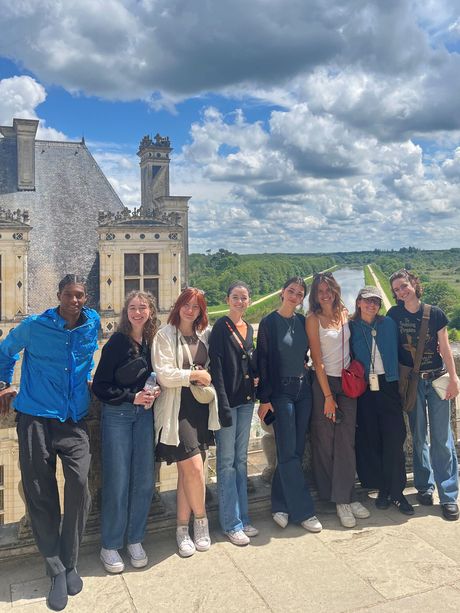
127,473
290,492
232,469
435,462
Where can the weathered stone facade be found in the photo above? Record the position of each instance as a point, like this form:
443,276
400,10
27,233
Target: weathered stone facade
58,215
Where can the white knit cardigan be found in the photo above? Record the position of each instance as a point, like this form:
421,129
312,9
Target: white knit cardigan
166,355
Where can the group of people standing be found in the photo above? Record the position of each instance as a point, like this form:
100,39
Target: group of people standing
208,381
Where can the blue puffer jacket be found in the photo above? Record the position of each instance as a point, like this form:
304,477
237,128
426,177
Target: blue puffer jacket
387,342
56,366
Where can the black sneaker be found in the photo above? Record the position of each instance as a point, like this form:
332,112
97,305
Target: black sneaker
450,511
382,501
425,498
403,505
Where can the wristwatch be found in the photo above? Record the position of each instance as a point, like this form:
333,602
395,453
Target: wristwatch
3,385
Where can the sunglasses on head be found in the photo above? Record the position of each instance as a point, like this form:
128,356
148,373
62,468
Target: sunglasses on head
321,275
399,273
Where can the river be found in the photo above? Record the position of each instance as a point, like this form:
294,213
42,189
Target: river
351,280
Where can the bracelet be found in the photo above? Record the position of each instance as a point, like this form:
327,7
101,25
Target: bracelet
328,396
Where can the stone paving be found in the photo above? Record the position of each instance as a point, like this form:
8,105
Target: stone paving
388,562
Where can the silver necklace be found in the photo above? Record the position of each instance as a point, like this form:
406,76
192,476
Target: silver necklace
290,323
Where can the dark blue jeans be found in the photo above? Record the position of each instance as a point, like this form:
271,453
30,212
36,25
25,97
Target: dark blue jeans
127,473
290,492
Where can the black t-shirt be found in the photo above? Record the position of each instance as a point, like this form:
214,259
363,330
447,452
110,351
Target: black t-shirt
292,345
408,333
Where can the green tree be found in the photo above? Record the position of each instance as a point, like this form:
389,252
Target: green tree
441,294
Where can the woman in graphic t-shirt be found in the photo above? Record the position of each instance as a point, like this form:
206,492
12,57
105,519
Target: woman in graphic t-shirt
434,462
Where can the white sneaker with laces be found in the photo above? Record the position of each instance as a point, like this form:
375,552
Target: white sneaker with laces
238,537
112,561
281,519
312,524
359,511
201,536
184,542
139,558
347,519
250,530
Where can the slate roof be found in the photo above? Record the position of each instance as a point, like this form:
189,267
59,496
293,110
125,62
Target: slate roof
70,190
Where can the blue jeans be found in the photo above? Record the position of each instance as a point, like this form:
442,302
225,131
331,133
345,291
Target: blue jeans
232,469
127,473
290,492
434,462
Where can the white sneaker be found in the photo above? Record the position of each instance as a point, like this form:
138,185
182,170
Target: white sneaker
312,524
112,561
347,519
359,511
281,519
238,537
184,542
201,536
250,530
139,558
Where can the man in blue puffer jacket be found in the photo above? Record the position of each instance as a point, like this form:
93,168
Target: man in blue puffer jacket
51,405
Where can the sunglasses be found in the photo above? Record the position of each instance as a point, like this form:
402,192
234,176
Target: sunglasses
402,272
321,275
372,300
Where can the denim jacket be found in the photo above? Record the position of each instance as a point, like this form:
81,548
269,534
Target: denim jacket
56,366
387,343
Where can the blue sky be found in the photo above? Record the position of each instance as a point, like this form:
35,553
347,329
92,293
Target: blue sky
313,125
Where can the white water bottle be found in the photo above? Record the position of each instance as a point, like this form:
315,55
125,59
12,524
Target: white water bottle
151,384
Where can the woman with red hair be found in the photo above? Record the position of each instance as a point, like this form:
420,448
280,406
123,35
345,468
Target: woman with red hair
183,426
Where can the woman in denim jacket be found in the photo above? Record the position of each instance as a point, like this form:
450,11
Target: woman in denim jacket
381,430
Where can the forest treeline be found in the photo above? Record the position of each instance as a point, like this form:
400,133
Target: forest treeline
439,271
264,273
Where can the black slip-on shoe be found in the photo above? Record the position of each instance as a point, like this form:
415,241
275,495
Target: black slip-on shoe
450,511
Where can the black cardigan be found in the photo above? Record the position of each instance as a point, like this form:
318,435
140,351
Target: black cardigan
118,351
268,357
231,372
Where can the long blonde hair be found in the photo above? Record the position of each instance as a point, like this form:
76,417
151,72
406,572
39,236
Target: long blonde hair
151,325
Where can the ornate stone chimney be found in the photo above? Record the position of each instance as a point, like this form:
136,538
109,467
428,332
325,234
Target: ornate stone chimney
154,170
25,143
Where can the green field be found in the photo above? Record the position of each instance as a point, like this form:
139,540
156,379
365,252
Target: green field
438,270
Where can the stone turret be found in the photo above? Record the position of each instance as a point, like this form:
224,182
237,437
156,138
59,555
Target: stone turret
154,170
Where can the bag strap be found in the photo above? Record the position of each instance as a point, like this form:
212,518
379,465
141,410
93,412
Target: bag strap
236,335
343,343
422,337
188,352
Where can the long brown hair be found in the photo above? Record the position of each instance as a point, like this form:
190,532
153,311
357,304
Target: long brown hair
313,302
201,322
151,325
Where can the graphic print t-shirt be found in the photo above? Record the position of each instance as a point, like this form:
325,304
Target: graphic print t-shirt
409,330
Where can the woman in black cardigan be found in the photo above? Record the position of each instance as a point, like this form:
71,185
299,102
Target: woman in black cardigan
127,432
284,390
230,350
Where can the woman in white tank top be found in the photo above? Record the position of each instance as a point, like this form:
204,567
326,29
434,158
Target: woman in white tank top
333,421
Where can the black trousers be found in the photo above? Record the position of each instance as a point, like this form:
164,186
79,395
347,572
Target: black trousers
41,440
380,436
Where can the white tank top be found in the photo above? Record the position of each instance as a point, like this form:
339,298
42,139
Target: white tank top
331,348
